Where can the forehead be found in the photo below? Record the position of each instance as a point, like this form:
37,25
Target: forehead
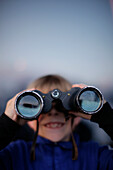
45,88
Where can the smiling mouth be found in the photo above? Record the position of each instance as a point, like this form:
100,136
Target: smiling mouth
54,125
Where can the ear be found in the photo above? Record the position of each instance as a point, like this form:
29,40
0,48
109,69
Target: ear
76,122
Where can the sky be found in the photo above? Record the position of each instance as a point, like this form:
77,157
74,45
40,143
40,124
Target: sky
73,38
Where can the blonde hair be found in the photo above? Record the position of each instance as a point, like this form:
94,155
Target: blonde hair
50,82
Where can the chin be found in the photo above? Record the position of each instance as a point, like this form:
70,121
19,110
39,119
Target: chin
57,138
54,139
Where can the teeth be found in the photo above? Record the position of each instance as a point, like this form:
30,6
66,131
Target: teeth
47,125
54,125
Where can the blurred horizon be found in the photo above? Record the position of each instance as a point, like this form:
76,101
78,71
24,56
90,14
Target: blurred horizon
71,38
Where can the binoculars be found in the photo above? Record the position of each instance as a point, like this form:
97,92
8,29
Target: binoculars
30,104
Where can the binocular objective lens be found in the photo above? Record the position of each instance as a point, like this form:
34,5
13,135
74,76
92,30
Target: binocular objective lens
90,101
29,105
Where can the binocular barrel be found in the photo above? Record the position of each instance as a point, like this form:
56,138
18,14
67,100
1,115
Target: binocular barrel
30,104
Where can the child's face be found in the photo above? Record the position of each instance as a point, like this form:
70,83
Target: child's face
53,126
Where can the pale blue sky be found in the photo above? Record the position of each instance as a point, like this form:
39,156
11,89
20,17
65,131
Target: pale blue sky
73,38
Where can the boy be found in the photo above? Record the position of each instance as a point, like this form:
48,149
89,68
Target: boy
54,146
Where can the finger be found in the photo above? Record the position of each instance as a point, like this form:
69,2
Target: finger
79,85
80,114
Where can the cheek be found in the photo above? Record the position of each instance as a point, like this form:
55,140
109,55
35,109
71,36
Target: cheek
68,126
41,118
66,133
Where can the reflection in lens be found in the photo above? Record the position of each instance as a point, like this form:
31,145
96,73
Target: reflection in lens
29,105
89,101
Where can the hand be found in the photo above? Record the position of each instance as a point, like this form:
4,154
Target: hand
80,114
11,112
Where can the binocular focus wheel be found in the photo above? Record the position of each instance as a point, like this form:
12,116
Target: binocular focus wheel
55,94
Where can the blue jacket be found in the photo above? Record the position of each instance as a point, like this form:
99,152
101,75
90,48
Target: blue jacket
56,156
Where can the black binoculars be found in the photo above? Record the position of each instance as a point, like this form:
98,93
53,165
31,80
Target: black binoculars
30,104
